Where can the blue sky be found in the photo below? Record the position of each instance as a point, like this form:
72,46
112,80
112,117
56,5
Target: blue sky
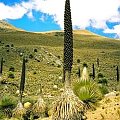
98,16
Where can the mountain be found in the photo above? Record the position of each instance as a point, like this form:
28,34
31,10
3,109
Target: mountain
6,27
44,53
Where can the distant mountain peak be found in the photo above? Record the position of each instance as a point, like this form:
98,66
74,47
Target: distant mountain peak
4,26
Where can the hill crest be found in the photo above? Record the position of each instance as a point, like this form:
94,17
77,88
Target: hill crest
4,26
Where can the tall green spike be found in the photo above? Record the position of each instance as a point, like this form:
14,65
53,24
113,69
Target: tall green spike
22,82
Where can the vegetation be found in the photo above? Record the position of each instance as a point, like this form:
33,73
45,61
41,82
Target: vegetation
117,74
44,53
89,92
20,111
93,67
7,103
68,106
79,74
1,66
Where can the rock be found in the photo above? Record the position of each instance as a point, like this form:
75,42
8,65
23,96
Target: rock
60,78
111,94
50,112
17,92
61,90
55,87
58,62
21,54
27,105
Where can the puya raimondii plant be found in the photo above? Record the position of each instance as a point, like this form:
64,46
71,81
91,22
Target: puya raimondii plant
78,73
19,111
68,42
117,69
1,67
93,68
68,106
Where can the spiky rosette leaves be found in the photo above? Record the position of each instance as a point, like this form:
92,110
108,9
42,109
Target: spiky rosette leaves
68,38
39,108
19,111
68,107
88,91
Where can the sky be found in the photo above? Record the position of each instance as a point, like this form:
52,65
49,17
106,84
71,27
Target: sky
99,16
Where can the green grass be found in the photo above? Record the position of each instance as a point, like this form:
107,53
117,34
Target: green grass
87,48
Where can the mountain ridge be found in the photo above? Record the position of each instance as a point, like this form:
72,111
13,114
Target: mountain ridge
7,27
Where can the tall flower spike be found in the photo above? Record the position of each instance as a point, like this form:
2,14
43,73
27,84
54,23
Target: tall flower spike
22,82
68,38
1,67
68,106
68,45
117,73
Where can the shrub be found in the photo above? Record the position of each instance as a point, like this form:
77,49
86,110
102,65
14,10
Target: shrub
35,50
78,60
12,69
7,45
1,115
26,60
100,75
11,75
85,65
12,45
7,101
34,72
87,91
7,50
91,75
103,81
104,90
58,56
31,56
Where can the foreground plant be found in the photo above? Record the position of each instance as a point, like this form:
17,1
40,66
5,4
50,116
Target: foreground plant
39,108
68,106
89,92
7,103
20,111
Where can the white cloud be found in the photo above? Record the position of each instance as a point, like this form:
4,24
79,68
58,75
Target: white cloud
11,12
115,30
30,15
85,13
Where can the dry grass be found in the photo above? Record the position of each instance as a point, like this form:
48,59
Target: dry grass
19,111
39,108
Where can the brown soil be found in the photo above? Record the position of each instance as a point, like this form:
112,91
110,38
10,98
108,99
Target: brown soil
109,109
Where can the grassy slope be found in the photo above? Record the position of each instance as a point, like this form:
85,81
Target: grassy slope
87,47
